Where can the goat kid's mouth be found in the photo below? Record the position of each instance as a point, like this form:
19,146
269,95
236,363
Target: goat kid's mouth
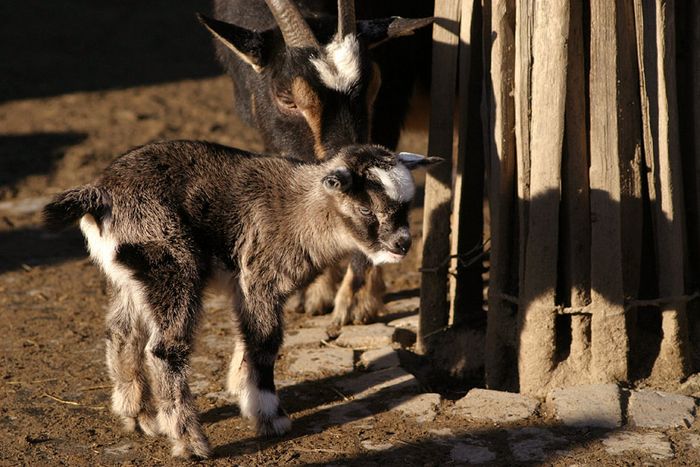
385,256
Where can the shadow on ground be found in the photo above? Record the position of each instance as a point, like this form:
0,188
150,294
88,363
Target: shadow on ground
32,154
29,247
51,48
501,444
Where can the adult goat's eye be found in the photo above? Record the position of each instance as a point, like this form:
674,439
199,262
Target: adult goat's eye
286,100
365,211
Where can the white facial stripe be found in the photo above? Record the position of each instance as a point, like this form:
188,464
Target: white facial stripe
340,68
397,182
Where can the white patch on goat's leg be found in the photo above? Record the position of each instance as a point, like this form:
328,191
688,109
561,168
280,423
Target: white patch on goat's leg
126,336
260,406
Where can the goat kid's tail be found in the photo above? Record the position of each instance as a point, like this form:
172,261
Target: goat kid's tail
69,206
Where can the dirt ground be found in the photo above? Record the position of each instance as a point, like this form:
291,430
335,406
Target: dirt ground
83,83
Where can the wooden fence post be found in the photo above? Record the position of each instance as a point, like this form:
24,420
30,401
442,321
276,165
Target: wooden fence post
500,329
665,180
538,307
466,286
609,340
438,182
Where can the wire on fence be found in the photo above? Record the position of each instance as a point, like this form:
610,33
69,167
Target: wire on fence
464,260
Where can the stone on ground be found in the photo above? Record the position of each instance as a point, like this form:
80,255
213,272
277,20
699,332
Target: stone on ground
384,381
325,361
532,444
693,439
321,321
471,453
655,409
423,406
407,322
403,305
495,406
691,386
593,405
378,359
372,336
657,445
305,336
370,446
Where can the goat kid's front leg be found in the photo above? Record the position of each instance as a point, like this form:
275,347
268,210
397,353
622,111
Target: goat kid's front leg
251,374
360,297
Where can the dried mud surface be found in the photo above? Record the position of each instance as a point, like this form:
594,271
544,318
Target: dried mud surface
88,83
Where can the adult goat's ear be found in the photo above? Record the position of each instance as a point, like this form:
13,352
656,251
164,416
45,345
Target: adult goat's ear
248,45
413,161
338,180
376,31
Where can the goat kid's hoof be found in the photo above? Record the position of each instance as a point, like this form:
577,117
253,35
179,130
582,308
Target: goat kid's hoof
274,426
148,425
191,448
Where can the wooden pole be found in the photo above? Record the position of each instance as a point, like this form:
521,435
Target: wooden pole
438,182
672,362
523,92
538,307
576,234
500,131
467,212
609,340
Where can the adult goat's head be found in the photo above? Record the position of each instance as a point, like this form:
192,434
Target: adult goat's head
313,83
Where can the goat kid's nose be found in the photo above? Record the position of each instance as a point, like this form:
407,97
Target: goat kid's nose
402,243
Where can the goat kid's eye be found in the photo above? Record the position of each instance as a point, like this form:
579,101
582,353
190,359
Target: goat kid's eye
365,212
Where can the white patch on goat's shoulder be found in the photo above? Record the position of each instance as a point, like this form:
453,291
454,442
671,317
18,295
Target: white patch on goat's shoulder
339,68
397,182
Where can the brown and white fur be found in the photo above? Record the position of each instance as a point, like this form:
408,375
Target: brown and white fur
166,220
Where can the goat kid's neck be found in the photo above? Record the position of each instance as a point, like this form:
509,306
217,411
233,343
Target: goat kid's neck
315,219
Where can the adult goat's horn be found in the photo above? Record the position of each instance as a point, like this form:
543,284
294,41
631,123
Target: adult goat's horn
346,18
295,30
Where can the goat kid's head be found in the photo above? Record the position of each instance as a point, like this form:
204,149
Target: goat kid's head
308,98
371,189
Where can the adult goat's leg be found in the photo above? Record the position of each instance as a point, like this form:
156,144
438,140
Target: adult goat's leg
360,297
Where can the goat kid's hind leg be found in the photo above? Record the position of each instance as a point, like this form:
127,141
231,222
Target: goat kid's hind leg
173,283
251,375
360,297
126,340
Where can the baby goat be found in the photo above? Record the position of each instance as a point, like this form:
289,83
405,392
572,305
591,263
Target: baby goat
168,219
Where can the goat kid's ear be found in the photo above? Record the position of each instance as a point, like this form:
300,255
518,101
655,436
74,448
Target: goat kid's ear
376,31
413,161
339,179
247,45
